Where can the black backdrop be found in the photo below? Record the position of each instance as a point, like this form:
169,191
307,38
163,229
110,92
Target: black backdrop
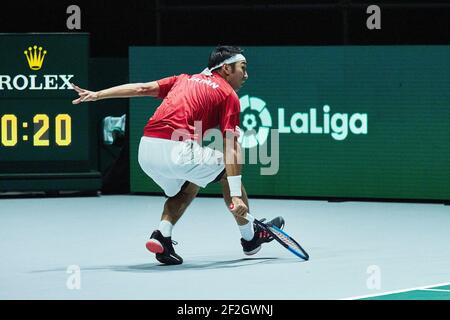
116,25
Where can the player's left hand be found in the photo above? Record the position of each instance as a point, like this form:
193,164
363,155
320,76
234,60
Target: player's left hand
85,95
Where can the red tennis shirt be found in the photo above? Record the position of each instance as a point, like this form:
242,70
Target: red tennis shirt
190,98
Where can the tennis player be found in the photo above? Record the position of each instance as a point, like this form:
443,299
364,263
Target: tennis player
191,105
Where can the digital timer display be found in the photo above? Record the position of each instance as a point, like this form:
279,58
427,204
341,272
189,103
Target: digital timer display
41,122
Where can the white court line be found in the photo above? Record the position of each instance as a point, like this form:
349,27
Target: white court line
398,291
437,290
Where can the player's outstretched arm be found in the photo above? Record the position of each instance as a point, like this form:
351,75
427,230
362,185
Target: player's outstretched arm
123,91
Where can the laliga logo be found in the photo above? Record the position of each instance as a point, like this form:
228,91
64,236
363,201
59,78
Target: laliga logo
35,57
257,122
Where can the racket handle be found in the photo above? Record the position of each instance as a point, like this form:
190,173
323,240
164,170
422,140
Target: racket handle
249,217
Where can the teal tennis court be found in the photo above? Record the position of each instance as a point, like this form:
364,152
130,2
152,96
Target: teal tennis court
440,292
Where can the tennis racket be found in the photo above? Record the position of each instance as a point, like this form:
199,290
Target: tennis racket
281,236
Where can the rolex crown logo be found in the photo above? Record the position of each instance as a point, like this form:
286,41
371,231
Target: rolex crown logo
35,57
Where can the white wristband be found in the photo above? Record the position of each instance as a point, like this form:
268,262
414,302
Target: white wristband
235,185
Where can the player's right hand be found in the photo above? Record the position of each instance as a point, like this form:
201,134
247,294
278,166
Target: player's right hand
238,207
85,95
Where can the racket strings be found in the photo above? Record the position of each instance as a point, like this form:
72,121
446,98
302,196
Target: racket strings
285,239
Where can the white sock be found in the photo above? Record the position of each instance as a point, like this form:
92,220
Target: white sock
166,228
247,231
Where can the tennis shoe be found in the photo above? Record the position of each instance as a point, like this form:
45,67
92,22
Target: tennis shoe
261,236
163,249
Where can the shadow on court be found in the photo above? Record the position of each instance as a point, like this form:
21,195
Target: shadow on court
200,265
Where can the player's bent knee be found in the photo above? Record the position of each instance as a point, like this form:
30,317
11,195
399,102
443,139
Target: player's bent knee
173,193
189,189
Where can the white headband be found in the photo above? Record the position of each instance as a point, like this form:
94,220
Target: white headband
233,59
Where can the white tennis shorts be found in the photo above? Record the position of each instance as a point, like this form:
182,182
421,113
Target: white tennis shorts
171,163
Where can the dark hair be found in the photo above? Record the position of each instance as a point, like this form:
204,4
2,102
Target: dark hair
221,53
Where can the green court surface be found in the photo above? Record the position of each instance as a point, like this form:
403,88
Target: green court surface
432,293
